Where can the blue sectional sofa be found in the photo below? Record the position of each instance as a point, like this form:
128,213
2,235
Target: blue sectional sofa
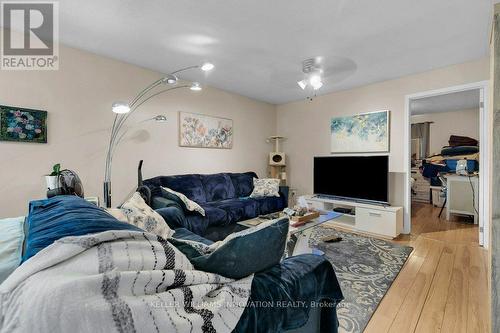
223,196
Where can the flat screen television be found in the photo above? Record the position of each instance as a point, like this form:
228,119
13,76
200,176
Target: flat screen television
359,178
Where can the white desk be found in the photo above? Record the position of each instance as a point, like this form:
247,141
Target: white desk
462,196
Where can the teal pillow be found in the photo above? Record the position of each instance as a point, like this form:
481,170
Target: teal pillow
11,245
240,254
161,202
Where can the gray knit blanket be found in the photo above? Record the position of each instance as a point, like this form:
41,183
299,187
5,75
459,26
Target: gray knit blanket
118,281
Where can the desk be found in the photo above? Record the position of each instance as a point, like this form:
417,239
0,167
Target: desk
462,196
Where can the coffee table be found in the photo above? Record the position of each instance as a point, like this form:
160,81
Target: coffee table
299,236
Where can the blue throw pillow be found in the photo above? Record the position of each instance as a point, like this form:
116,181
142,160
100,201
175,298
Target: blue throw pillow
65,215
240,254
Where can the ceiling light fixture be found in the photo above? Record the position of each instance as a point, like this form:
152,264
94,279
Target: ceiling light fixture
207,67
312,70
315,81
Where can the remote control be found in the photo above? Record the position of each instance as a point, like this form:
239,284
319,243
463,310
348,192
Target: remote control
331,239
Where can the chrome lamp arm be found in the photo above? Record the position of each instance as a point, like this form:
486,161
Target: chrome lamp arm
124,111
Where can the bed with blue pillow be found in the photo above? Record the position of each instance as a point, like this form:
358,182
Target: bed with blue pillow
307,279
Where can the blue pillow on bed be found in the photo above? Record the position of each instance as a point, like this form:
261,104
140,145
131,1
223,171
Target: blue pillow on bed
65,215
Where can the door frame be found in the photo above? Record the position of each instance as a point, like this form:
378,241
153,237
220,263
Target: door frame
484,148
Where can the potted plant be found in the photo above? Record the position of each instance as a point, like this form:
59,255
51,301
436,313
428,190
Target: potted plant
52,179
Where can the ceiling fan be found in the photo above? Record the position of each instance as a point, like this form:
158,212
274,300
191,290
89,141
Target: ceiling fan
312,74
318,69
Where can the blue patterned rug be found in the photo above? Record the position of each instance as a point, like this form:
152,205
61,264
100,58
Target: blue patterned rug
365,267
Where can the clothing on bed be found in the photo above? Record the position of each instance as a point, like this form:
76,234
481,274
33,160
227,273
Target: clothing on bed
118,281
431,170
441,159
457,140
459,150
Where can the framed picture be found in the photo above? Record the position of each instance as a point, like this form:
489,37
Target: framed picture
202,131
362,133
23,125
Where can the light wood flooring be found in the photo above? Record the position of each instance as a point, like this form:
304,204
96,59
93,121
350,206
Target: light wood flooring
443,286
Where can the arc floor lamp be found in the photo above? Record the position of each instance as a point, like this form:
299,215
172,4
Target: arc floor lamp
124,110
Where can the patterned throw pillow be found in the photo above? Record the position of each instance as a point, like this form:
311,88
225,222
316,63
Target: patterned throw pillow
135,211
265,187
189,204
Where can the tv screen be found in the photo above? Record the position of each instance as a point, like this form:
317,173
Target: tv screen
352,177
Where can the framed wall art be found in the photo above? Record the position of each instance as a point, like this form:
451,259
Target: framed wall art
23,125
202,131
362,133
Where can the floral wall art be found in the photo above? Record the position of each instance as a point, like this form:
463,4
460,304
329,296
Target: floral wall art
197,130
23,125
362,133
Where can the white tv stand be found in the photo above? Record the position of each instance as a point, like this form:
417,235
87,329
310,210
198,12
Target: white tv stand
378,220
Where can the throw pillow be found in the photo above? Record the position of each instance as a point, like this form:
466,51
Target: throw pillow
11,245
240,254
65,215
265,187
184,201
135,211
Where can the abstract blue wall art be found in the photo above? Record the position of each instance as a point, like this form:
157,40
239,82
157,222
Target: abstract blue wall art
363,133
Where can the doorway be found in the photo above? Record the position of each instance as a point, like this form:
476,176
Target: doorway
441,119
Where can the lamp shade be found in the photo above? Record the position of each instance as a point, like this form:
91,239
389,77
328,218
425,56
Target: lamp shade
120,107
160,118
207,67
195,86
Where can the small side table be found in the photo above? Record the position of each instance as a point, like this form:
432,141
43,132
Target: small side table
462,196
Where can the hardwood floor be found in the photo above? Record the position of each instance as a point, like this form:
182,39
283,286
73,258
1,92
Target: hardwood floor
443,286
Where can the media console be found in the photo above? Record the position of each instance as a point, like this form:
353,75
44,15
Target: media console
384,221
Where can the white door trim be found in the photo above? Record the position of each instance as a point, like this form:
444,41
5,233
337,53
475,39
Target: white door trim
484,163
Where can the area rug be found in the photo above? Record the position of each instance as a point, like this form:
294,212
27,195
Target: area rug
365,268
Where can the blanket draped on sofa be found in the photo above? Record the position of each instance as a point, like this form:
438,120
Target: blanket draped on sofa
125,281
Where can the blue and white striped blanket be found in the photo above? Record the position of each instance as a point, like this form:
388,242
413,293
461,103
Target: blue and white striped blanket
118,281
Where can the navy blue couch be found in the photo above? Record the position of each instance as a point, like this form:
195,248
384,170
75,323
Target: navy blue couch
223,196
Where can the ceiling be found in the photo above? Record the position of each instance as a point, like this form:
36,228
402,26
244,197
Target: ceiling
463,100
258,46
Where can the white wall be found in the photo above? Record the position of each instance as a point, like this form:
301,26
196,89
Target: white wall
307,124
444,124
78,99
